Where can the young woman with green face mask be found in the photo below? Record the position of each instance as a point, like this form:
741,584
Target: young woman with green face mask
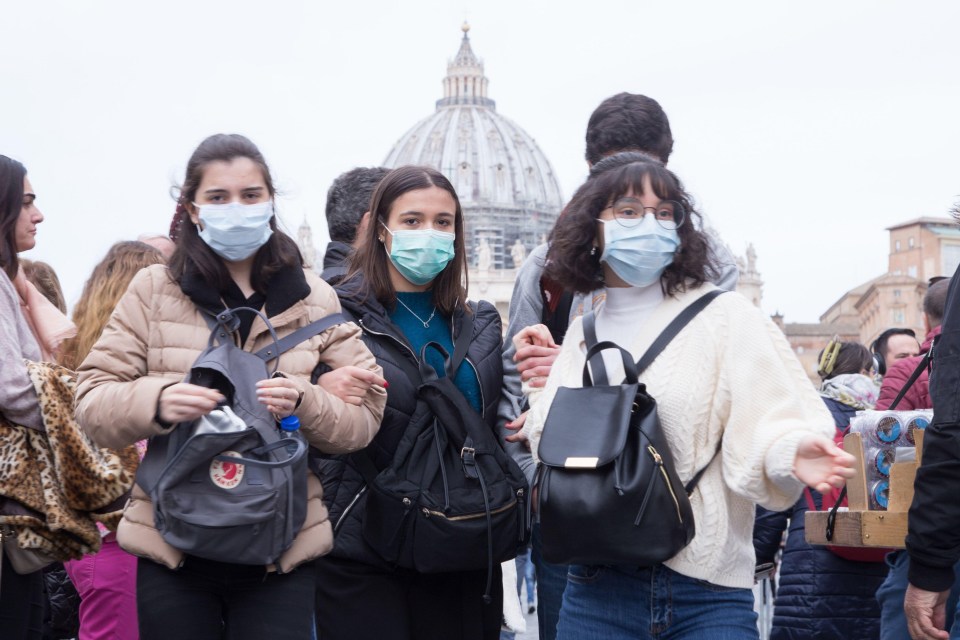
407,287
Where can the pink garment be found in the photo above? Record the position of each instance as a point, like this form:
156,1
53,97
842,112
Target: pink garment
107,584
48,324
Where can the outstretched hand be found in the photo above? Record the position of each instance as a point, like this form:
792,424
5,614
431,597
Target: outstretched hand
821,464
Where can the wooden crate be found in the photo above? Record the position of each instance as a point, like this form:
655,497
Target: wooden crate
857,526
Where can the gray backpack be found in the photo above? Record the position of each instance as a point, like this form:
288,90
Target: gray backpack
228,487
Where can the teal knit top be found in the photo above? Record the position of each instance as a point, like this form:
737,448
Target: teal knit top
438,330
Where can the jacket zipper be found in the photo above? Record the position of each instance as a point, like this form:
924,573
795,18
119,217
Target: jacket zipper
387,335
346,512
659,462
467,516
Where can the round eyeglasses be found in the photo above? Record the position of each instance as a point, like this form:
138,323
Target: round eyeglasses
630,212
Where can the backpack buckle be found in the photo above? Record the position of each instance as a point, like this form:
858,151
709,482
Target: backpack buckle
469,460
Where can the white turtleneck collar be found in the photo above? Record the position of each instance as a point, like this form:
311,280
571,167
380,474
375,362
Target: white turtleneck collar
623,313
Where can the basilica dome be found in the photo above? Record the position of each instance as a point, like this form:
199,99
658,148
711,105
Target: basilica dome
507,187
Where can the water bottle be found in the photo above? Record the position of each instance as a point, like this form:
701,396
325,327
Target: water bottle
290,428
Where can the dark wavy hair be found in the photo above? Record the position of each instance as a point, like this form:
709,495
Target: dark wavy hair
370,259
280,250
570,259
11,203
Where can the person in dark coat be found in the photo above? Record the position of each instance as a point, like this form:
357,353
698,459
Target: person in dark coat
820,594
404,288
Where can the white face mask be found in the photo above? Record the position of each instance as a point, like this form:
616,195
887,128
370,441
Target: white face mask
235,231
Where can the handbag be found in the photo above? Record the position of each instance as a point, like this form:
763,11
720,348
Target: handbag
22,560
608,490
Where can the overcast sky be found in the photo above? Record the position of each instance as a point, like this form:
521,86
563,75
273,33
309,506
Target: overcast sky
806,128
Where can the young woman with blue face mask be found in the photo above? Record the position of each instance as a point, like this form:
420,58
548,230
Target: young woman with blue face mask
407,287
230,253
729,376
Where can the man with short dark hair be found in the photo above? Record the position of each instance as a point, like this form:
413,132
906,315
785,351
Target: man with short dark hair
348,202
893,345
628,122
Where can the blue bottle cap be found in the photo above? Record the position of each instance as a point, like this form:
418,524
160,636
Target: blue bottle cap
290,423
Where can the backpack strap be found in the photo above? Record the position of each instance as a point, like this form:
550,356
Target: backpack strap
678,323
923,364
597,367
300,335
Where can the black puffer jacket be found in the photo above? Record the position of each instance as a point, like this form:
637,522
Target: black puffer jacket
343,486
820,594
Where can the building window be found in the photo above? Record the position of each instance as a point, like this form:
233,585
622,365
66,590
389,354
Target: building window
896,246
896,293
910,242
799,350
912,271
898,316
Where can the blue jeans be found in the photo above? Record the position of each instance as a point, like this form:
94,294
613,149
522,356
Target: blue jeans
551,581
657,603
893,622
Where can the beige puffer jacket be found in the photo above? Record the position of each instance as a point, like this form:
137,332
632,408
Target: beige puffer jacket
150,343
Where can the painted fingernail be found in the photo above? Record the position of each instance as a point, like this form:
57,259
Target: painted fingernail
385,384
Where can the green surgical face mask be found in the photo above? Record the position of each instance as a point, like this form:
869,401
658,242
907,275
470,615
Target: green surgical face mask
420,254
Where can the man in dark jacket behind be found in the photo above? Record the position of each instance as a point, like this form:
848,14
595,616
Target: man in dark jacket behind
890,595
933,535
348,200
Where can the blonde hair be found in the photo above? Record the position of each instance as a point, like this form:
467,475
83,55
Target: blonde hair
102,292
45,279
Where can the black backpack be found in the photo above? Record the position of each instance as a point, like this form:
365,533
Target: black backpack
451,498
227,487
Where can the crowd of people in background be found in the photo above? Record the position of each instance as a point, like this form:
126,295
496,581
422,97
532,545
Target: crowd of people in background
628,255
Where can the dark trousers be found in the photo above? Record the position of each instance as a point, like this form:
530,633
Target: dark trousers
21,604
357,601
206,600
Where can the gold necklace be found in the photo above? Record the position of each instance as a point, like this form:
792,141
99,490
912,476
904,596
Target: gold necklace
425,323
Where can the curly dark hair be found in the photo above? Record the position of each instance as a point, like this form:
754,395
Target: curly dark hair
570,259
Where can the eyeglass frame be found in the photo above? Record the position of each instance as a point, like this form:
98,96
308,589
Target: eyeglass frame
678,208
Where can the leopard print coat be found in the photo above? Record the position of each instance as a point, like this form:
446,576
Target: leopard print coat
56,484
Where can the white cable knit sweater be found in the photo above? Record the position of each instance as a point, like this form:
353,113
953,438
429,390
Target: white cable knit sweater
729,374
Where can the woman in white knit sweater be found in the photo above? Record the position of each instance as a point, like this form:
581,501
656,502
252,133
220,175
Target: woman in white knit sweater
729,376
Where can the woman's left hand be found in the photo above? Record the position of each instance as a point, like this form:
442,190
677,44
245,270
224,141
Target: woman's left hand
821,464
278,395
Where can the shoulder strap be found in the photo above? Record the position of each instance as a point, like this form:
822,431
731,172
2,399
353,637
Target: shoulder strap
462,342
300,335
597,368
923,364
678,323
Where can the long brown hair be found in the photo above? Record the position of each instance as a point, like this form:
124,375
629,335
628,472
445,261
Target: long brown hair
45,279
279,251
11,202
371,259
101,293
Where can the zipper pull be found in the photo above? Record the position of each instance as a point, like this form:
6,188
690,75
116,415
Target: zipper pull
656,456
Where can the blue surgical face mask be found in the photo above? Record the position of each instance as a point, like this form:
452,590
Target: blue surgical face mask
420,254
640,254
235,231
